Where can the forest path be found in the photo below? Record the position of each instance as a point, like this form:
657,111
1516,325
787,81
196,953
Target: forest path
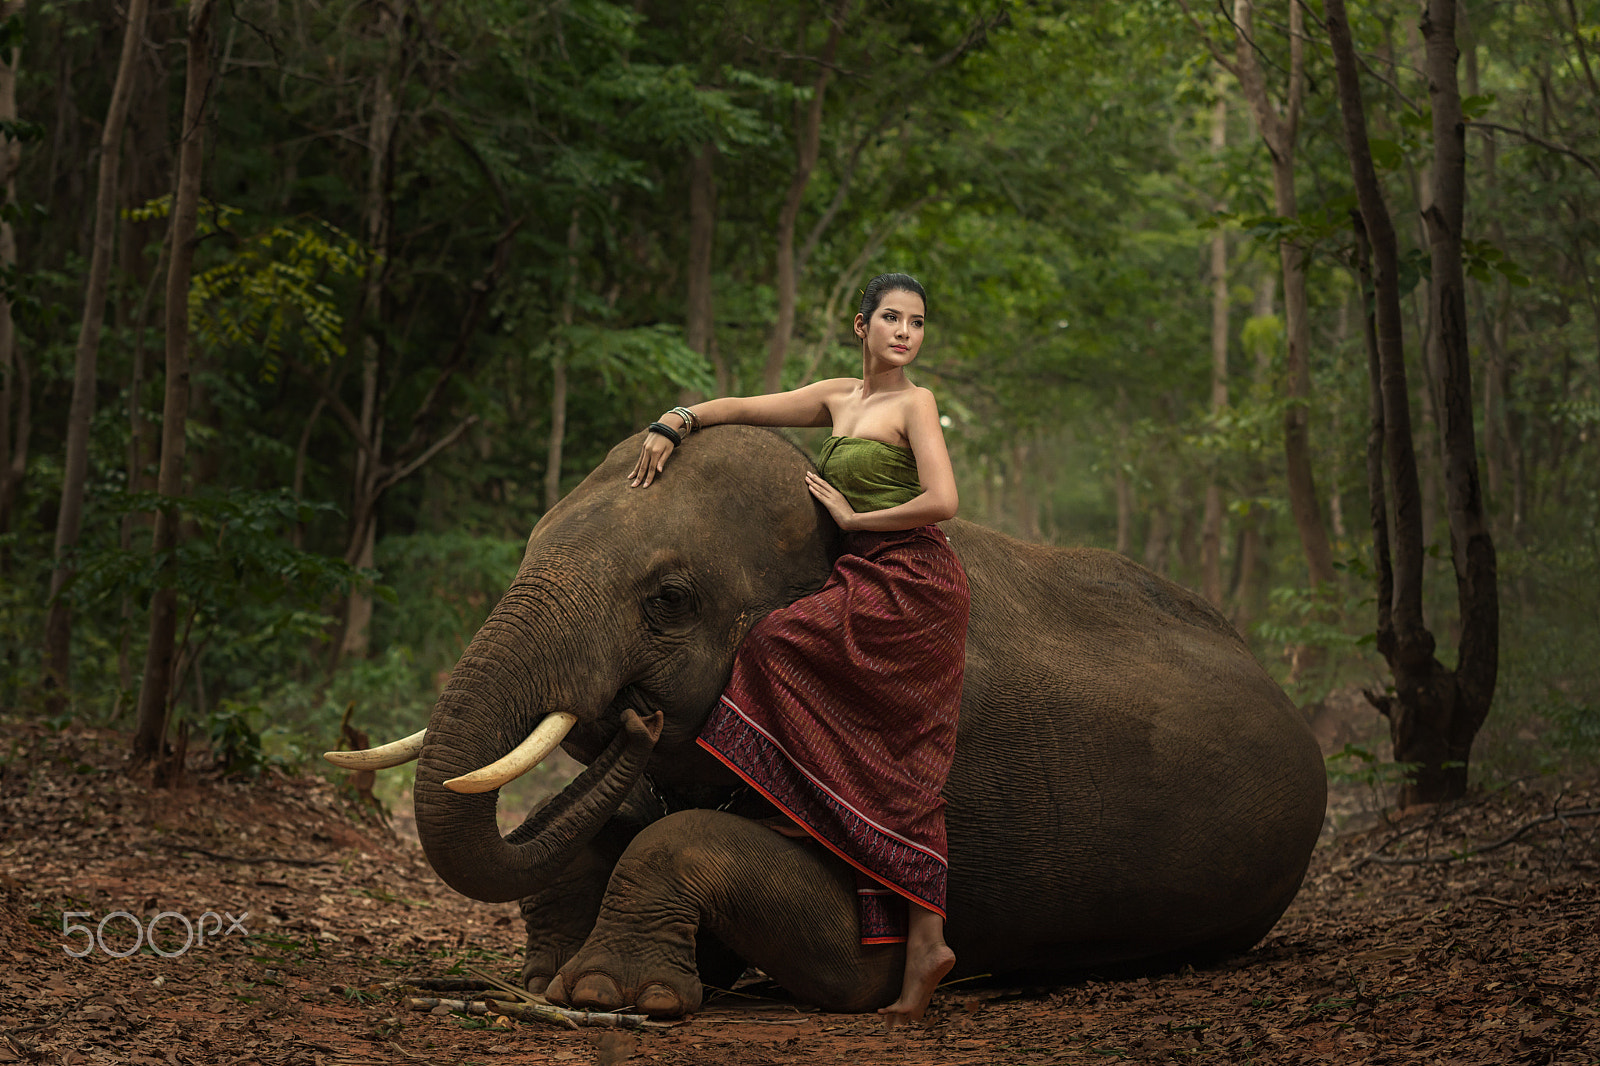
1484,958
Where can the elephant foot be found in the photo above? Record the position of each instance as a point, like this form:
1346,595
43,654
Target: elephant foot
587,987
549,945
536,977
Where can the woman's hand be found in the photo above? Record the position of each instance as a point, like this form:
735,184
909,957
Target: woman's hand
652,457
832,499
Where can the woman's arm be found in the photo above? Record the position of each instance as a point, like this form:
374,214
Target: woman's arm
938,500
807,406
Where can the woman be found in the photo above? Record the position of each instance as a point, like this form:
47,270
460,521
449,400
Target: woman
842,706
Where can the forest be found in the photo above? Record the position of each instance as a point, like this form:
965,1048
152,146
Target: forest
313,308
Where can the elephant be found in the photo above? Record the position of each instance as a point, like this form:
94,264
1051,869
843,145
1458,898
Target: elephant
1129,789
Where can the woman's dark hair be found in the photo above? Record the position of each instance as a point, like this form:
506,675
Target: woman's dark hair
872,295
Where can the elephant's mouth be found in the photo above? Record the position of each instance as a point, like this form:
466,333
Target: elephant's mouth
589,738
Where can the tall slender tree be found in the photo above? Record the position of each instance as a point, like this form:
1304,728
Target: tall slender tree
1471,685
14,376
382,123
1211,521
1279,127
1435,712
155,691
699,326
69,520
808,141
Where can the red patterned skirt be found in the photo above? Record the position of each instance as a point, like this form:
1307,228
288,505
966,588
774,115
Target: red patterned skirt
842,711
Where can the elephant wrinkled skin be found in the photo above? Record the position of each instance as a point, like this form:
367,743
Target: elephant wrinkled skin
1129,785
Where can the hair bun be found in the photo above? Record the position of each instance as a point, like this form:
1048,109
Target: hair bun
872,295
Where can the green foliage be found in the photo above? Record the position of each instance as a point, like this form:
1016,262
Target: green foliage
247,598
235,731
1048,171
271,291
645,352
1300,618
1360,766
270,288
445,584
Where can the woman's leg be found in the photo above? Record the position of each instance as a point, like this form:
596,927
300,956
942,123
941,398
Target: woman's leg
928,959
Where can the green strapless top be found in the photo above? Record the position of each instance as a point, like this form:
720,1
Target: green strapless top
871,474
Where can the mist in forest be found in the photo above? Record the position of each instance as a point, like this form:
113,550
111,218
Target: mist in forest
312,310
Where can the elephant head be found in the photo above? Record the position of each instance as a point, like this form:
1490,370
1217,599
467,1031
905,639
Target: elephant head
615,640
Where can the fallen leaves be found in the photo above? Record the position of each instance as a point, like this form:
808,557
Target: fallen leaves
1470,955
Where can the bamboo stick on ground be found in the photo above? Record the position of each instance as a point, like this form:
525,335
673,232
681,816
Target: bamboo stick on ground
538,1012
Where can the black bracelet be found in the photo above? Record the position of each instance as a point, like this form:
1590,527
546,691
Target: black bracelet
666,431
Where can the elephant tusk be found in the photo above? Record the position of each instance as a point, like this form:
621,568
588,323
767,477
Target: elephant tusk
524,757
382,757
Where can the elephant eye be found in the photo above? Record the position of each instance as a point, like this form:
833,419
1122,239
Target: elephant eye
670,601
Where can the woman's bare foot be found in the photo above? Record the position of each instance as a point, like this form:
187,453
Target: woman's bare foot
924,970
928,959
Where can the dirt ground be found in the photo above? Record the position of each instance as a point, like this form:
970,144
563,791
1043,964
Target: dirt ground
1454,935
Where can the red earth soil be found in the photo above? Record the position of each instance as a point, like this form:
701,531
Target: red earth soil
1461,934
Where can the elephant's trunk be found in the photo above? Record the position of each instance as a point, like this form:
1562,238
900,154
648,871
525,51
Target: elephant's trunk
503,687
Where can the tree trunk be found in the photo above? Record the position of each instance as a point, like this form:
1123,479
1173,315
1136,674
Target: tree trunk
1124,493
1249,573
13,371
80,415
359,551
1250,566
700,317
1377,493
1408,635
1024,503
1434,712
1280,132
558,383
1211,522
1471,547
808,143
137,479
1158,538
155,694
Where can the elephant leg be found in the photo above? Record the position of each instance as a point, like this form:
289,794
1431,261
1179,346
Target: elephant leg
785,905
562,912
560,915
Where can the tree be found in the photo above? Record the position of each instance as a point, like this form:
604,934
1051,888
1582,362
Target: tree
155,691
14,376
807,142
1280,129
700,323
1434,712
1211,524
381,126
69,521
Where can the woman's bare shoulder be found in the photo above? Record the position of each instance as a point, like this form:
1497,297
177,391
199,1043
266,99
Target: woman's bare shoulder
835,391
920,397
839,384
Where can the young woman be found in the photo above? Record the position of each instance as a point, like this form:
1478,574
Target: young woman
842,706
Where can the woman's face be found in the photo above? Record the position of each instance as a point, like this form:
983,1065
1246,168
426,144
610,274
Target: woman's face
893,335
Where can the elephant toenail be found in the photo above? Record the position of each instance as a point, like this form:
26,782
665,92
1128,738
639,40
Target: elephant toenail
537,983
556,991
595,991
660,1001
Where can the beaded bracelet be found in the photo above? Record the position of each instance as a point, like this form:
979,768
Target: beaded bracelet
666,431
